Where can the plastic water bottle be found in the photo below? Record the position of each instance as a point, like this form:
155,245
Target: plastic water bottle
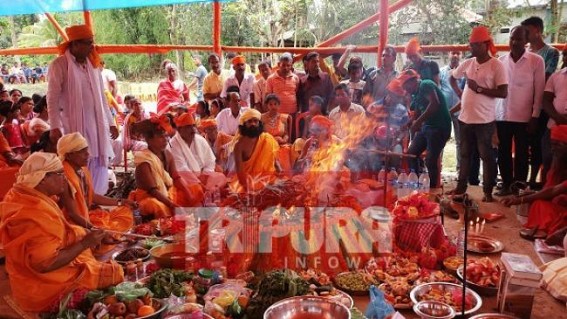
424,182
382,175
413,181
403,184
393,177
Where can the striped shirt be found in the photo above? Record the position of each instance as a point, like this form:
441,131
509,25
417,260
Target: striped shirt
286,89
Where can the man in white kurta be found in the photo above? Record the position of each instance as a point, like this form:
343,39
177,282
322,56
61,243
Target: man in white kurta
194,158
76,101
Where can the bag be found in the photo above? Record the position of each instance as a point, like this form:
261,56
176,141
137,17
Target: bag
378,308
554,278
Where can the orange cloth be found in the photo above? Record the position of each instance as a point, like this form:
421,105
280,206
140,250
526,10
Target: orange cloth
163,122
149,205
413,47
239,59
559,133
322,121
407,75
546,215
482,34
119,219
260,167
33,232
205,124
184,120
279,128
80,32
395,86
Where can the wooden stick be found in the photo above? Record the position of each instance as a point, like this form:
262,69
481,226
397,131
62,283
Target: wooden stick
135,235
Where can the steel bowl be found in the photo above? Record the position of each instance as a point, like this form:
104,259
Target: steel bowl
483,290
160,305
433,310
419,291
492,316
307,307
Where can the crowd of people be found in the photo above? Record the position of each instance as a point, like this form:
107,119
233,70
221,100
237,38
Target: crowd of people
247,129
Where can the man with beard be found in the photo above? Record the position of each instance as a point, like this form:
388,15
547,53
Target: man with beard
255,152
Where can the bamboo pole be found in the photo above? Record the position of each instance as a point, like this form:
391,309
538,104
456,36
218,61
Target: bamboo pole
217,27
57,26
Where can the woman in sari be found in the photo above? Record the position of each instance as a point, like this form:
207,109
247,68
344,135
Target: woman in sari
160,187
39,123
278,125
171,91
548,207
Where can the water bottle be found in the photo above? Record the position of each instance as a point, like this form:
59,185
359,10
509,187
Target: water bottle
137,217
424,182
381,175
413,181
461,243
393,177
403,184
217,197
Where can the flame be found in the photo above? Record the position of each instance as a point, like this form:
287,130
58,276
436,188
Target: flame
327,170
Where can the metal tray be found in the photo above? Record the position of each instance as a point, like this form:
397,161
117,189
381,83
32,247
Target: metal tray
484,245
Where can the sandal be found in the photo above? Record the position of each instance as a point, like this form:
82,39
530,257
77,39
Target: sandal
487,198
532,234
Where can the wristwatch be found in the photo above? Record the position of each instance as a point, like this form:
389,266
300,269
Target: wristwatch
479,89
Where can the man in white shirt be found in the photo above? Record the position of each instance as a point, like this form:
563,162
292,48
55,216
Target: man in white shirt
194,158
228,119
265,70
555,105
486,81
76,101
345,112
109,80
518,113
244,81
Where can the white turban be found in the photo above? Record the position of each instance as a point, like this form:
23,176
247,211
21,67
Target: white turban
70,143
36,166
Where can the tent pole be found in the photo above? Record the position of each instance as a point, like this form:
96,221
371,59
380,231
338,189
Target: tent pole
57,26
217,27
383,31
88,19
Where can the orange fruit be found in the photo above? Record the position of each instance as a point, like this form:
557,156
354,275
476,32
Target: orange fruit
145,310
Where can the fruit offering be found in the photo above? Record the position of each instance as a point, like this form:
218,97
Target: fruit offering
483,272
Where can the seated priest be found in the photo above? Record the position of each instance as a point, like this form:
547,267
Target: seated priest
9,164
218,141
193,156
319,147
160,188
73,150
255,152
46,256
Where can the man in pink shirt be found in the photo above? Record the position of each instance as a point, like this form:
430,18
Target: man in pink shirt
284,83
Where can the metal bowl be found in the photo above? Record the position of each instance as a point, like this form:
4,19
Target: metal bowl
483,290
492,316
307,307
160,305
418,291
116,254
434,310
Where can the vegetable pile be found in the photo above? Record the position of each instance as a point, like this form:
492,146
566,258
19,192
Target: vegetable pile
166,282
273,287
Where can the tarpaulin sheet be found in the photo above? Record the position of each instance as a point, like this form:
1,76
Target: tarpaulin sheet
40,6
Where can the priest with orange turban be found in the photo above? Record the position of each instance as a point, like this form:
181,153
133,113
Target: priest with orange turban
46,256
315,149
255,152
73,150
427,69
218,142
548,207
76,101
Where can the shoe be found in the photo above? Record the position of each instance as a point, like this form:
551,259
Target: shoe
532,234
505,191
487,198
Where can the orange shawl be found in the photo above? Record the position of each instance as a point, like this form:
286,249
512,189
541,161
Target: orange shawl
33,231
260,168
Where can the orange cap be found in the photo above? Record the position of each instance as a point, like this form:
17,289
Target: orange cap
205,124
239,59
184,120
413,47
482,34
396,86
322,121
